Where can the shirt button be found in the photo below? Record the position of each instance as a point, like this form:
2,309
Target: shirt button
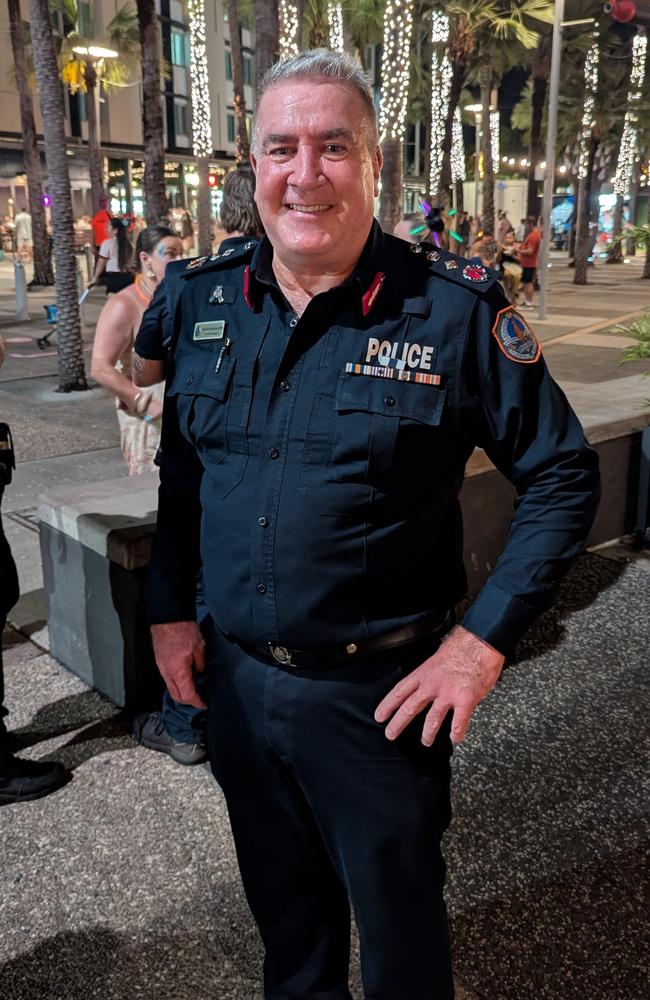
274,453
293,322
262,521
261,588
285,386
389,400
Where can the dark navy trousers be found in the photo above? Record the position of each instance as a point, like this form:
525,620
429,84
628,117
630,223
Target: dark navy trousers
329,816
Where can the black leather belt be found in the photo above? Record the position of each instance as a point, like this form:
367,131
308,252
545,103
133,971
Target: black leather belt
429,625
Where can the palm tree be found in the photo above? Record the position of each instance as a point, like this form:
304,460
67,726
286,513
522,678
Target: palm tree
242,143
201,122
395,79
82,71
267,37
152,112
363,25
43,274
70,347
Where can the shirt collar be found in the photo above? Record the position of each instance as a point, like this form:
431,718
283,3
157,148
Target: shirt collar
361,280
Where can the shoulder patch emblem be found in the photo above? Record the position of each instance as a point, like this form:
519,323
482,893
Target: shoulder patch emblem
515,337
475,272
197,262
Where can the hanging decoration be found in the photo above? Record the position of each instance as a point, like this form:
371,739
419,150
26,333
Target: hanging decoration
627,151
591,88
201,125
395,68
288,18
335,18
441,72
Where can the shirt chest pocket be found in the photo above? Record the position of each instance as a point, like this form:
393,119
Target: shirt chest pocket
205,401
378,421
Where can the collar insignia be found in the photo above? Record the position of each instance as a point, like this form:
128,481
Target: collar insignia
433,255
368,300
227,252
416,248
451,265
247,286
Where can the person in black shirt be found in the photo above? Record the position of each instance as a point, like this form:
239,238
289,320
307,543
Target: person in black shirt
326,387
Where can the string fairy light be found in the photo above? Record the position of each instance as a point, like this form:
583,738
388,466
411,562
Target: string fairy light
441,72
201,126
457,149
288,18
495,143
588,123
395,68
335,18
627,151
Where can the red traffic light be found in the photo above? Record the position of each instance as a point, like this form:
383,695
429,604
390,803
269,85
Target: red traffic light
213,180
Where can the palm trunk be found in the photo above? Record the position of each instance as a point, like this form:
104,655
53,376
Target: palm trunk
583,214
390,204
487,215
70,346
94,152
152,113
441,196
242,144
43,274
615,253
534,147
204,207
459,201
646,266
267,36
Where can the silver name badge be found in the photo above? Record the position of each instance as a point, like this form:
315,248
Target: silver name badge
213,330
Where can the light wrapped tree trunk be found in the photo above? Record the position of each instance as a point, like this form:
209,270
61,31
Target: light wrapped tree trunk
242,144
152,113
204,207
70,347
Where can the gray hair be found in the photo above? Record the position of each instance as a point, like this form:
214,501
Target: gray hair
324,64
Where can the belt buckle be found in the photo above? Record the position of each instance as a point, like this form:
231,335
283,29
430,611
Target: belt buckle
281,655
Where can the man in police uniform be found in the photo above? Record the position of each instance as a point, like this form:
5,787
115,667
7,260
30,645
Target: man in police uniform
325,390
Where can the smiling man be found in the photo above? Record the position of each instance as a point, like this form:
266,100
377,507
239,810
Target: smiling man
327,386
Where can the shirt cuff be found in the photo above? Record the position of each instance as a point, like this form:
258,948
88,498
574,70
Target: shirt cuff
499,618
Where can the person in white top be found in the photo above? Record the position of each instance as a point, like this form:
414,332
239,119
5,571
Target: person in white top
24,244
114,258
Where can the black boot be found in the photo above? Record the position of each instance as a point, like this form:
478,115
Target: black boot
23,780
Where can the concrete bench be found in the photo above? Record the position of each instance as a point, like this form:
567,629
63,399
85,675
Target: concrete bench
95,547
95,544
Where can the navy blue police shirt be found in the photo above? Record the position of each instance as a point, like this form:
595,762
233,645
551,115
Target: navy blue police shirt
313,464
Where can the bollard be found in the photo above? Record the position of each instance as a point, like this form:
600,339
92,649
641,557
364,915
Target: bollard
90,262
22,312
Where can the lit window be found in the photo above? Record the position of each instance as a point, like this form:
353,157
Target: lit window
179,47
228,65
231,127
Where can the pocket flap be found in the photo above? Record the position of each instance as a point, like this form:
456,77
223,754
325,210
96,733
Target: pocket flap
415,400
198,377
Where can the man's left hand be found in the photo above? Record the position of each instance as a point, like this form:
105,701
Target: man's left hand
456,678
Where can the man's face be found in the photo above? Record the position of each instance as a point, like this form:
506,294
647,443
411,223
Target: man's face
317,173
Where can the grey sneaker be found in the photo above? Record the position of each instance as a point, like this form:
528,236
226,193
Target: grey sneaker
149,731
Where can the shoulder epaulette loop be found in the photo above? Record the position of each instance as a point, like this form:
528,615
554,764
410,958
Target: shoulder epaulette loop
232,255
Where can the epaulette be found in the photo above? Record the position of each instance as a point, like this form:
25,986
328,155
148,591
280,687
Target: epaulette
448,265
232,255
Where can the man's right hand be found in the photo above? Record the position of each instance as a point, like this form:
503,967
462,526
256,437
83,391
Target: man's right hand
180,650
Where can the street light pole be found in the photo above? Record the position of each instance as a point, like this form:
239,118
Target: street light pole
549,177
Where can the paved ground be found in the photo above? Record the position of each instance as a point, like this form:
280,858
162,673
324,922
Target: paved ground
142,897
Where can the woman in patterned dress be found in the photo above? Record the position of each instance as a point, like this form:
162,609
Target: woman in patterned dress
138,410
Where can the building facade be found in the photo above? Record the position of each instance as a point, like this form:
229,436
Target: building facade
120,113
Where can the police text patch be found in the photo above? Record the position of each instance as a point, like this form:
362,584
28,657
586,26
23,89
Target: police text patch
515,337
209,331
